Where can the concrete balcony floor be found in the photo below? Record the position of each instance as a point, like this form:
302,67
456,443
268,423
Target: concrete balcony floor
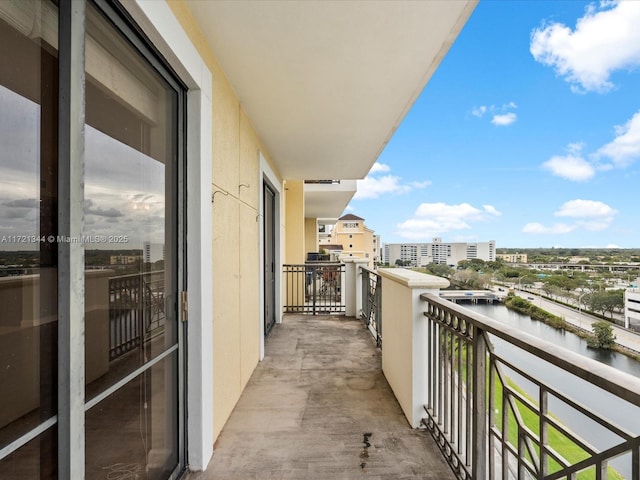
310,406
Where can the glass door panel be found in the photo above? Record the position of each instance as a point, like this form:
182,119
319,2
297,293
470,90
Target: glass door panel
129,218
132,434
130,240
28,226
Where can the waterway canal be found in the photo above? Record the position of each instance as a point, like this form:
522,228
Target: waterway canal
595,398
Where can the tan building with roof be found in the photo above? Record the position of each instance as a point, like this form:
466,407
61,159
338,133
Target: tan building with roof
356,238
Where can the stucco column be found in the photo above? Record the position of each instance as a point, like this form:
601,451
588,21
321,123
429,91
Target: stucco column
404,336
295,222
352,285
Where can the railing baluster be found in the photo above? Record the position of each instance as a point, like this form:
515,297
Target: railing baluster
479,395
136,311
492,415
498,439
314,288
544,433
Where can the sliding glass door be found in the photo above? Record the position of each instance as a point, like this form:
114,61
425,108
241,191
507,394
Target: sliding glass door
130,224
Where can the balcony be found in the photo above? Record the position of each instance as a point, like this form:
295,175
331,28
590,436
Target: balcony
433,394
437,400
319,407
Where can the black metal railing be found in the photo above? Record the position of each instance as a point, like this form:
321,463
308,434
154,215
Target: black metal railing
314,288
136,311
372,303
493,419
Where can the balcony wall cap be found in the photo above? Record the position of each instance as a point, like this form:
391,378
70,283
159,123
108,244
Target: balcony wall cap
413,279
354,260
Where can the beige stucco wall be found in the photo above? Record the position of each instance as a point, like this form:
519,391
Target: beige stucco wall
235,251
397,333
359,245
311,235
405,336
294,229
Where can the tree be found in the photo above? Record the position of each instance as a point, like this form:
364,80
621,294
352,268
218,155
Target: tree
603,336
476,264
551,290
605,301
528,279
563,282
469,278
439,270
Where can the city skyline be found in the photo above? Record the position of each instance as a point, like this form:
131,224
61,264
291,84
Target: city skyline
527,134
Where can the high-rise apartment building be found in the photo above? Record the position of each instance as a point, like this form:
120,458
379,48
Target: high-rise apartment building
422,254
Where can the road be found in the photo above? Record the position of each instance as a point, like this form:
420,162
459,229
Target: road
583,320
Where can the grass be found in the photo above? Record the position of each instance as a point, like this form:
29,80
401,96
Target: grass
556,440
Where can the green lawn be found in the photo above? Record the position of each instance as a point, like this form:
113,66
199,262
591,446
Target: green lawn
556,440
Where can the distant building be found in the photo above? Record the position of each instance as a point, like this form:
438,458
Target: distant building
324,235
147,252
422,254
632,306
356,239
124,259
377,250
513,257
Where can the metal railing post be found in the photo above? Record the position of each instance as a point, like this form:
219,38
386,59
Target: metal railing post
479,408
365,295
378,311
314,289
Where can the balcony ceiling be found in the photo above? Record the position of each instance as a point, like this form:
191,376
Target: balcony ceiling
328,201
326,84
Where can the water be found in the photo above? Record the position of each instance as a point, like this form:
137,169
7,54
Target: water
596,399
567,340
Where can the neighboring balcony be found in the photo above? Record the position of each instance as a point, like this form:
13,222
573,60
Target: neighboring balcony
327,198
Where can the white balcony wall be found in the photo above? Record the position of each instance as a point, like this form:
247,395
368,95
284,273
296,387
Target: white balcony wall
404,336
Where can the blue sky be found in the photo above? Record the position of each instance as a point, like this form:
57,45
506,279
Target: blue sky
527,134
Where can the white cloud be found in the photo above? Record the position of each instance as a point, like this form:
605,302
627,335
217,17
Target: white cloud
504,119
621,152
605,39
570,167
590,215
585,209
490,209
479,111
625,148
375,186
556,228
379,167
501,115
431,219
575,147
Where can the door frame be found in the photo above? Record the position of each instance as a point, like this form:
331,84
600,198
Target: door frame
269,239
269,178
168,36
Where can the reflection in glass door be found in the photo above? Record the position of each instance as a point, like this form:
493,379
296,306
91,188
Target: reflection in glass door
28,224
132,163
131,245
